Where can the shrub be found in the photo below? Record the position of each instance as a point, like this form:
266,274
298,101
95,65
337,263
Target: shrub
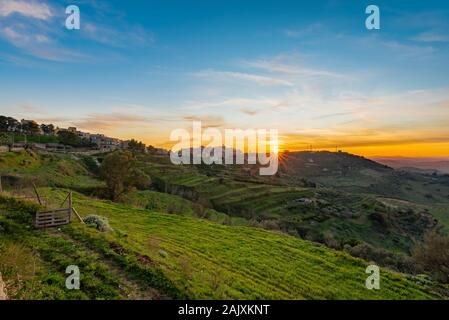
19,210
119,171
433,255
382,257
101,223
91,164
139,179
65,169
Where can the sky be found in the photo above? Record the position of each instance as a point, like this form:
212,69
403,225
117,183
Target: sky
140,69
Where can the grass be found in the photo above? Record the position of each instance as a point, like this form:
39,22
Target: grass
33,262
346,216
159,244
205,260
60,170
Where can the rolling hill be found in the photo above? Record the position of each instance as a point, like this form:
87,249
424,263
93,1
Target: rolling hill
174,256
199,233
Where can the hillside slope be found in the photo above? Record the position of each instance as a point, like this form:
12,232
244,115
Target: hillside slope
357,174
203,260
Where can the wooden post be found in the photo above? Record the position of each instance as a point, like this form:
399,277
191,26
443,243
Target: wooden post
37,194
70,205
62,203
77,214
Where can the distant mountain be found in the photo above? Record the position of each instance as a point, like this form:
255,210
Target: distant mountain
332,162
351,173
427,164
333,168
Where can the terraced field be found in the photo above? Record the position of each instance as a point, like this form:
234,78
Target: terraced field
21,169
195,236
208,260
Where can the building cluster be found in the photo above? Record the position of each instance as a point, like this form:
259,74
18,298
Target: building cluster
103,142
97,141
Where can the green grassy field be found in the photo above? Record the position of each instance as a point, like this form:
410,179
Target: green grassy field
27,167
173,244
322,214
206,260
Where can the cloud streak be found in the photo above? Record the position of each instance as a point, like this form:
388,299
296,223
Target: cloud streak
32,9
237,76
431,37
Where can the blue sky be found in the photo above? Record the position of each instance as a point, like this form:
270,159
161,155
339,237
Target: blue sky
310,69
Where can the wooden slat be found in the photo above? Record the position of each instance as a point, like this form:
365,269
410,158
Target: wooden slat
55,210
56,217
53,218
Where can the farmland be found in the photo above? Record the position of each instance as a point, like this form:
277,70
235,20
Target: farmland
202,233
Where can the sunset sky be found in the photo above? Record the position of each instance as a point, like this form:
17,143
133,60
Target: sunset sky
138,69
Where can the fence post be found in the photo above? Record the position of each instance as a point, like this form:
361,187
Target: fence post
70,205
37,194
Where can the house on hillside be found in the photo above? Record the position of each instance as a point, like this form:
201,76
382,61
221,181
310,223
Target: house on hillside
105,144
83,135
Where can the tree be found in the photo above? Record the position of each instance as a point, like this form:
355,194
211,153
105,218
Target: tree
6,140
8,124
119,171
4,124
151,149
433,255
30,127
34,128
136,146
48,129
71,139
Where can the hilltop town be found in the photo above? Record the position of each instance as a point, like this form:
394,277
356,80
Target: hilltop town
17,135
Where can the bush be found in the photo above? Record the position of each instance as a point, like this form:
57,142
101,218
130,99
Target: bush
119,171
101,223
383,257
65,168
91,164
433,256
18,210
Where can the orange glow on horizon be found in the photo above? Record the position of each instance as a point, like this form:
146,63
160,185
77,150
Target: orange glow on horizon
417,150
363,147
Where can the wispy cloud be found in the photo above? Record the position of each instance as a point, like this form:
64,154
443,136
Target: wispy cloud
250,112
289,64
128,35
35,28
431,37
212,121
39,44
407,50
236,103
305,31
101,121
32,9
232,76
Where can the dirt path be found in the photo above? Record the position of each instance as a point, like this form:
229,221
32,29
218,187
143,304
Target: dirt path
3,295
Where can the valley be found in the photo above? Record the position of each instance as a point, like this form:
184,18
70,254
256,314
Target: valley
218,232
